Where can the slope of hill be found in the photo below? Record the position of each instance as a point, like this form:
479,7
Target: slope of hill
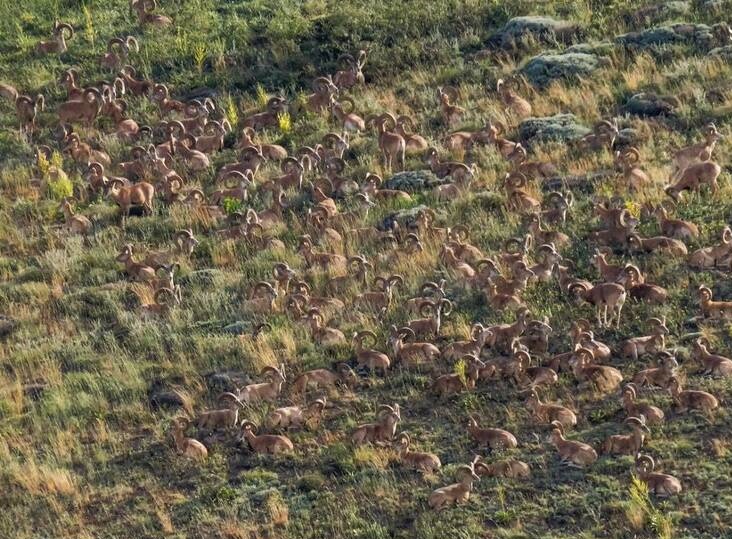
93,379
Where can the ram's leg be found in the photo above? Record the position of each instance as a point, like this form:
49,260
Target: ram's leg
620,309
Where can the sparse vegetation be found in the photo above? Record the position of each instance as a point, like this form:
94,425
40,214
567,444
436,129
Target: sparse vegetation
327,268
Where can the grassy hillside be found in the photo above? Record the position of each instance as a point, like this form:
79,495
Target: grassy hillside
85,452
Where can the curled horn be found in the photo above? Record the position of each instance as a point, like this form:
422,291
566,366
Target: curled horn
645,462
556,425
251,151
631,155
316,314
427,308
274,370
95,168
374,178
195,195
727,235
60,27
362,57
431,288
132,43
546,249
115,41
229,398
301,287
356,262
332,138
406,332
380,283
321,84
336,163
45,150
234,177
264,285
165,292
289,163
274,102
388,116
557,198
460,232
281,269
349,101
176,128
519,153
475,330
186,233
320,403
582,324
403,119
361,335
517,180
451,92
160,91
347,58
249,425
630,388
633,272
639,421
213,127
711,129
513,245
606,126
385,408
396,280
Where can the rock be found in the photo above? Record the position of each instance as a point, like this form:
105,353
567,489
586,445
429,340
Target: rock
34,390
238,328
202,93
584,183
160,395
167,399
718,95
7,326
519,30
562,128
712,6
651,104
546,68
227,381
627,137
725,52
405,218
601,48
413,180
660,36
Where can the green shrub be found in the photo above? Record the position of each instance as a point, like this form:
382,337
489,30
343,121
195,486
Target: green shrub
546,68
232,205
61,187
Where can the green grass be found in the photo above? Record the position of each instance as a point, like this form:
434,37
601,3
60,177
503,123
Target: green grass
89,456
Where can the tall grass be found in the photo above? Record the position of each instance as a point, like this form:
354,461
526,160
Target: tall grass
85,446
